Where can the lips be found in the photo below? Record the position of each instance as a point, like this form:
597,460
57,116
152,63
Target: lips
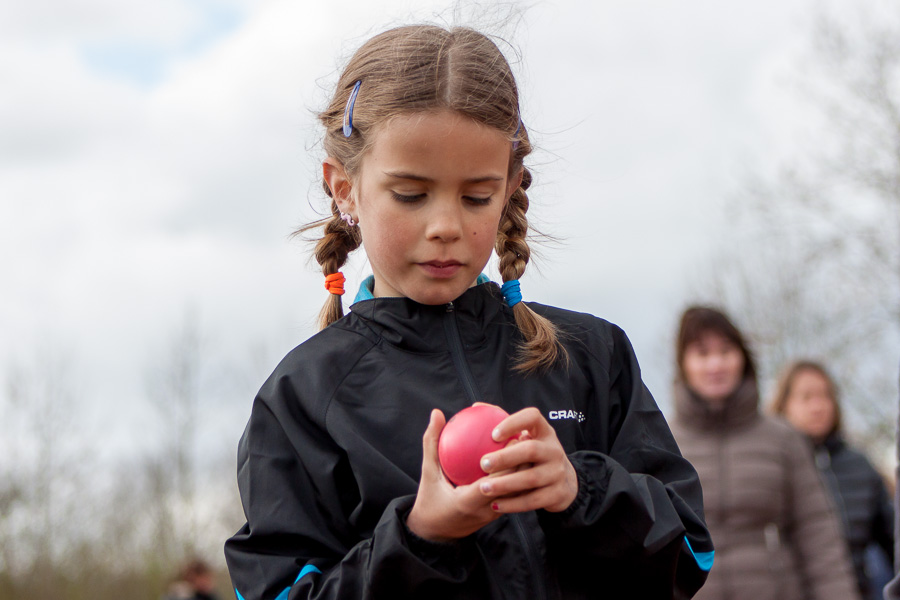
443,264
441,268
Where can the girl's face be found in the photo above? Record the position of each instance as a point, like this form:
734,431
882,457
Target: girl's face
713,367
810,406
428,199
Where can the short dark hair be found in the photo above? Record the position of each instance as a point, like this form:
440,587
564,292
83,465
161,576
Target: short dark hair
698,320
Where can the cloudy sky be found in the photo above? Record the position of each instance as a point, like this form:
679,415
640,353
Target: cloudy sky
154,158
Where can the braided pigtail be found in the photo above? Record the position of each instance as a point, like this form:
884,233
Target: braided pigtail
540,348
339,239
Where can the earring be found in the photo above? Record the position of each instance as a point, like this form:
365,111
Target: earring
348,218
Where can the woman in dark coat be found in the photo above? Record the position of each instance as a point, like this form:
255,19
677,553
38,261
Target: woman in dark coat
807,397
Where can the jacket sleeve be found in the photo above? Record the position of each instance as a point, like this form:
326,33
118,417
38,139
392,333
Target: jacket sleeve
883,519
297,543
641,504
814,529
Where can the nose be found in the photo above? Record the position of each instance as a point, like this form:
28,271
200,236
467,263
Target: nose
444,220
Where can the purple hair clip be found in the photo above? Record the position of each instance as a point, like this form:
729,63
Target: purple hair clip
515,144
348,110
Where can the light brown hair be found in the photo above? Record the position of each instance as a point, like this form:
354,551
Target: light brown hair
422,68
786,381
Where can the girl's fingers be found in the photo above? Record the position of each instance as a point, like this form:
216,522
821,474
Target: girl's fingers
514,455
527,419
538,488
430,439
533,500
514,481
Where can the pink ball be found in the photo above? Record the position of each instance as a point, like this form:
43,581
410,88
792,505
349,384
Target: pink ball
465,439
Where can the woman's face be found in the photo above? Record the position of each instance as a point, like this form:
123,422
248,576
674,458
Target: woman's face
810,404
713,367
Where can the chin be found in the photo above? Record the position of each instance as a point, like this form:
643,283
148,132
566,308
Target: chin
434,297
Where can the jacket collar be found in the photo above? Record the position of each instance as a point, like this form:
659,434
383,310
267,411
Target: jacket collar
421,327
739,409
368,285
834,443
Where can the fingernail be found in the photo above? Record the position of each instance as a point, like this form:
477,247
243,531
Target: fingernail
495,507
485,464
496,434
486,487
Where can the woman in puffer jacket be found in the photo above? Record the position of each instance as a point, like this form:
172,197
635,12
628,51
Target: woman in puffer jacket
777,536
807,397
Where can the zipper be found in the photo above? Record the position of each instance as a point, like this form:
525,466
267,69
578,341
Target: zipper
833,488
530,554
454,340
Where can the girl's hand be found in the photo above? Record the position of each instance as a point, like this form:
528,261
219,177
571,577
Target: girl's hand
532,474
441,511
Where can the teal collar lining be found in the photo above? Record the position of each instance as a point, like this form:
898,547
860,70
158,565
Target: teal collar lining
368,284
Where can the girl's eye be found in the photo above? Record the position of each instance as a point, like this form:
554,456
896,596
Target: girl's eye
478,201
407,199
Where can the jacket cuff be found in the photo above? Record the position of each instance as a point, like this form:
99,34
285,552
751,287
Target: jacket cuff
429,550
449,557
592,485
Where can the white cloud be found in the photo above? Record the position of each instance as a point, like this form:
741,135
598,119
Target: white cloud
49,22
125,203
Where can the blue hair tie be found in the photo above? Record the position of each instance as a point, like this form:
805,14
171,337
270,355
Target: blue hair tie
348,110
511,293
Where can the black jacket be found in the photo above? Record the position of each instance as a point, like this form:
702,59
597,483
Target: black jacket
330,460
861,499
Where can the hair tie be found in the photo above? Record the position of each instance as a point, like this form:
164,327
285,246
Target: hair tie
511,293
348,110
334,283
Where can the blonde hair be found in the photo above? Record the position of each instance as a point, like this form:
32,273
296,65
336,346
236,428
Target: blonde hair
422,68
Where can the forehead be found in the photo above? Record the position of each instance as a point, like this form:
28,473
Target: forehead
712,338
810,377
439,144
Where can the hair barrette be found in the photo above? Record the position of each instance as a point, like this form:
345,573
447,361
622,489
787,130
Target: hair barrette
515,144
348,110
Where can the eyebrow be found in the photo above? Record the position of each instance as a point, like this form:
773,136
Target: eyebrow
414,177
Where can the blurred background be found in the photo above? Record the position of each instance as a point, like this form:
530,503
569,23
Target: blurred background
155,157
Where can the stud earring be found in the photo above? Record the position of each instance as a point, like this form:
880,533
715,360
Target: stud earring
348,218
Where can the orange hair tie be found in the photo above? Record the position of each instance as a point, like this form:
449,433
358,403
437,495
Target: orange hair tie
334,283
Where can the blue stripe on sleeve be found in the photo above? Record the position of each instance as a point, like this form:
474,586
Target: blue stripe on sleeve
286,591
704,559
284,594
306,571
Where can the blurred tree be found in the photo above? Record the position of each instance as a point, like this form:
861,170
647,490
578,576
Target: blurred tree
813,259
174,392
45,454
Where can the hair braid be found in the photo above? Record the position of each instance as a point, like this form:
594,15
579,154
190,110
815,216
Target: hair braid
331,252
540,348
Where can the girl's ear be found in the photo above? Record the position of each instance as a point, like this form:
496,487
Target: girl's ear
339,184
514,182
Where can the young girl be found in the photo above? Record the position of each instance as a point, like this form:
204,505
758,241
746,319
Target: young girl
344,495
